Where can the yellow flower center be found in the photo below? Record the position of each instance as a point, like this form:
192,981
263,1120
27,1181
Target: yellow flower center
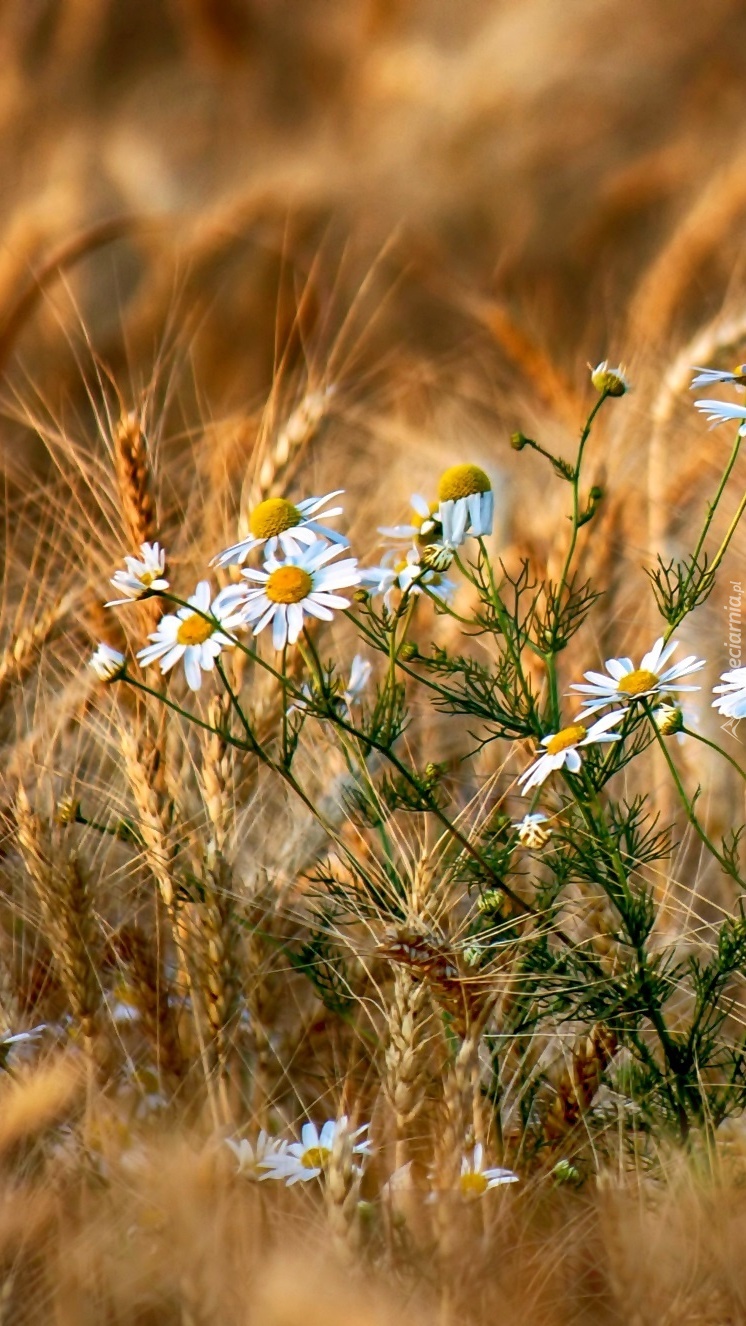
569,736
472,1184
288,584
462,481
637,683
194,630
315,1157
146,578
273,516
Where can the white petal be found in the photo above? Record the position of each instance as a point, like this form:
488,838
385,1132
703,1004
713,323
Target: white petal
279,627
295,621
192,669
616,668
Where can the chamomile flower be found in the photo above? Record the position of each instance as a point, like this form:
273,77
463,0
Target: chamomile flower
107,663
731,698
194,636
285,526
707,377
143,575
531,831
609,381
307,1159
407,575
254,1162
628,683
467,504
721,412
423,526
669,718
303,585
474,1180
561,749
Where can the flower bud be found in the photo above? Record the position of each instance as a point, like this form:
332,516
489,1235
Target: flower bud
609,381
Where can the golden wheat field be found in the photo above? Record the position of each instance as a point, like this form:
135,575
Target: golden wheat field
372,940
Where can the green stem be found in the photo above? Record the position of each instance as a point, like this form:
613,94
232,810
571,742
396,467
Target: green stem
689,808
576,501
714,746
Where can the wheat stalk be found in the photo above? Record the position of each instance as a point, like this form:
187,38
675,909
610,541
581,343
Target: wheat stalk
342,1195
151,997
294,436
407,1054
64,898
579,1083
19,655
134,480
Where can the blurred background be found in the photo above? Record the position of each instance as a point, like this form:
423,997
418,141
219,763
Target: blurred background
377,183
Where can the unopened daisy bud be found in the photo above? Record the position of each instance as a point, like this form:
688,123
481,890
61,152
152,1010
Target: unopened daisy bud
491,901
408,651
518,441
361,596
473,955
67,810
565,1172
108,663
668,719
609,381
596,493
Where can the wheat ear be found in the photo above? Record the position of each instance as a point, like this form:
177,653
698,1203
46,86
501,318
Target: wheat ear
342,1195
150,995
64,899
298,431
134,479
579,1082
19,655
407,1055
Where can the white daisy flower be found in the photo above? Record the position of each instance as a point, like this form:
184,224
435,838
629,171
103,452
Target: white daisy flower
254,1162
107,663
626,682
562,749
301,585
612,381
408,575
287,526
721,412
530,829
308,1158
143,575
467,504
707,377
424,523
194,636
474,1180
731,701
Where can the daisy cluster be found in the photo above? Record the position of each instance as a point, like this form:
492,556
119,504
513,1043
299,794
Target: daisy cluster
309,1158
625,685
305,572
302,574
